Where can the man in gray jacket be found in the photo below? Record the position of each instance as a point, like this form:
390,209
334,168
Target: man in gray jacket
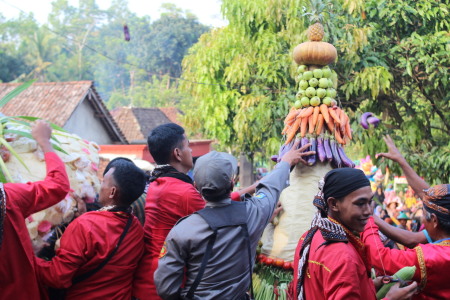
231,231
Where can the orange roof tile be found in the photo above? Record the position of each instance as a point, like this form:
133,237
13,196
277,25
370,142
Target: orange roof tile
56,101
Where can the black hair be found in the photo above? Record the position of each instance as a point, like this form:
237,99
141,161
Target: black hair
113,161
130,181
443,223
163,139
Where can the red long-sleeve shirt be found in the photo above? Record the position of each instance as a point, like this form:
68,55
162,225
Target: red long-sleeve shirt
168,200
85,244
17,273
432,262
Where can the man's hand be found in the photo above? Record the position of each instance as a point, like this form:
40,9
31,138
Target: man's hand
277,210
41,132
405,293
295,156
393,153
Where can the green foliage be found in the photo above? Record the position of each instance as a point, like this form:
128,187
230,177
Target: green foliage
246,72
392,60
84,42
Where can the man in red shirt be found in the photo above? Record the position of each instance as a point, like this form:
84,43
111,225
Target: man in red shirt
171,195
18,201
111,234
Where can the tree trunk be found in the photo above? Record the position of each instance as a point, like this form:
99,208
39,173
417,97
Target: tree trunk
246,176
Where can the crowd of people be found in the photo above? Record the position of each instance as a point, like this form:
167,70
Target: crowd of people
196,238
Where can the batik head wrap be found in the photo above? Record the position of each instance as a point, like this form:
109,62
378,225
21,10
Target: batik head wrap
2,212
437,201
337,183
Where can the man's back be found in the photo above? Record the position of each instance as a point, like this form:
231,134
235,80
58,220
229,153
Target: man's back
168,200
227,273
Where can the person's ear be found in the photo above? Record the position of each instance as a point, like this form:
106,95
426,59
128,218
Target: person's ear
434,221
177,154
333,204
113,192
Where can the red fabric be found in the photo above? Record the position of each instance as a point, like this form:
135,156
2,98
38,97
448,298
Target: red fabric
168,200
17,273
235,196
335,271
87,242
436,263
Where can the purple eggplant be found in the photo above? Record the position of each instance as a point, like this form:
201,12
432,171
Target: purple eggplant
312,158
284,149
374,121
303,142
368,119
364,117
327,148
320,149
347,162
336,158
126,33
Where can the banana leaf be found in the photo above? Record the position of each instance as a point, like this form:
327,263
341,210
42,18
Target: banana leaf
15,92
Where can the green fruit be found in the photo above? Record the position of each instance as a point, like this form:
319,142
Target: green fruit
321,92
305,101
307,75
300,94
327,101
310,92
313,82
303,84
331,93
404,274
302,69
326,72
315,101
318,73
299,77
298,104
323,83
330,83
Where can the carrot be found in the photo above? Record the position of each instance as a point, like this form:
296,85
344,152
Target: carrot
285,129
303,127
338,137
324,110
330,124
291,116
348,130
310,124
344,119
292,131
307,112
316,115
319,124
334,115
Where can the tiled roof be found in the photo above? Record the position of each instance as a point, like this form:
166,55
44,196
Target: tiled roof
56,101
172,113
136,123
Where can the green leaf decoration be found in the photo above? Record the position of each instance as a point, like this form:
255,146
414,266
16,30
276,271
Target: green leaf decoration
15,92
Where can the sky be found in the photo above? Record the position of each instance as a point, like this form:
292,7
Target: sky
207,11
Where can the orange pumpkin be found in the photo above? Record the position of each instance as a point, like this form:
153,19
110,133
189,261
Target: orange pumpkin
315,53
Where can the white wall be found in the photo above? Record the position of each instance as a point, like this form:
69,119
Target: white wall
84,123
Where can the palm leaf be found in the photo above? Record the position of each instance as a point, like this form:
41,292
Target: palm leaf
32,119
13,152
16,92
28,135
6,174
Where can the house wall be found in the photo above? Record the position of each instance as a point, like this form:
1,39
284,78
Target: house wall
87,125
